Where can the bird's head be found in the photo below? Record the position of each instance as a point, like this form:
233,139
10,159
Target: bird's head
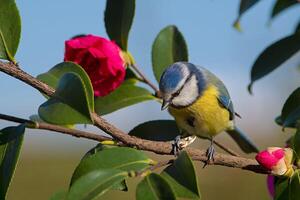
181,84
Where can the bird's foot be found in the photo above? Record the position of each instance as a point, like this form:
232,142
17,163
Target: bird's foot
181,143
210,155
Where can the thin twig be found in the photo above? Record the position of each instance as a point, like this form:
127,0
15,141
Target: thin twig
56,128
15,119
145,79
142,144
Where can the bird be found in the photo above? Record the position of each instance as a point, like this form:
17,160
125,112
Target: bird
201,106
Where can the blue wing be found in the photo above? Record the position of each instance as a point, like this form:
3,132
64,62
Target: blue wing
224,97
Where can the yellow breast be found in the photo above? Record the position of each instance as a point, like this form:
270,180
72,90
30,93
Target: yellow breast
208,117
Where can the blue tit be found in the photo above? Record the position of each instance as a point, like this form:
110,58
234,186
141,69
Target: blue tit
200,104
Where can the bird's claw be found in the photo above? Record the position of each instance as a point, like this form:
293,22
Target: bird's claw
210,155
181,143
176,146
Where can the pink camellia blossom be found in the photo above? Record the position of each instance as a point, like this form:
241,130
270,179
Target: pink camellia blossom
277,160
100,58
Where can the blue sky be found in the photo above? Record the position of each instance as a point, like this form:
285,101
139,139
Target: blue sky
207,28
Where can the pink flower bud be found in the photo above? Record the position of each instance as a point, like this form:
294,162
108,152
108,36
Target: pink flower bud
277,160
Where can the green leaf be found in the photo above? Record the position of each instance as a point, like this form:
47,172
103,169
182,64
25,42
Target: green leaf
122,158
297,30
273,56
100,147
181,175
118,19
281,189
244,6
10,29
295,186
60,195
156,130
36,118
282,5
95,183
70,104
122,186
288,188
11,139
296,144
278,121
53,76
154,187
126,95
291,109
169,47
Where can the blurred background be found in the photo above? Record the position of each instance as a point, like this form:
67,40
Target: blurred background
48,159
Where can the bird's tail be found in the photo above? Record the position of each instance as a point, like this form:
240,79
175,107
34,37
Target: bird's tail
242,140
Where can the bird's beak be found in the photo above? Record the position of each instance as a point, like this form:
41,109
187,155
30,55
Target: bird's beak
165,104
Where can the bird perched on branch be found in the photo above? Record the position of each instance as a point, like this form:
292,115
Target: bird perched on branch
201,106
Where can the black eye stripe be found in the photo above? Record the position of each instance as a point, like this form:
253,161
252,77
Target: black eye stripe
179,90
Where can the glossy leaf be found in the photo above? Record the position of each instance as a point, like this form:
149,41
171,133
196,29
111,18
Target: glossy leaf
273,56
244,6
100,147
53,76
282,5
169,47
11,139
10,29
291,109
296,144
118,19
297,30
181,175
288,188
60,195
278,121
36,118
122,158
157,130
70,103
126,95
281,189
295,186
95,183
154,187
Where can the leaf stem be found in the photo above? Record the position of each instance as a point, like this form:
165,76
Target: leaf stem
144,79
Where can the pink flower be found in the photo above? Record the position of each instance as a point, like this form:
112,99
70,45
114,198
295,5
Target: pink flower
277,160
100,58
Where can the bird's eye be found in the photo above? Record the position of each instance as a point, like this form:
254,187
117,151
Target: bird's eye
176,93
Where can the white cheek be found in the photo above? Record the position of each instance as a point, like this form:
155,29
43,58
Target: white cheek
188,94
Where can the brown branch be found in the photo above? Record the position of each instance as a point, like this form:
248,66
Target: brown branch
145,79
156,147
